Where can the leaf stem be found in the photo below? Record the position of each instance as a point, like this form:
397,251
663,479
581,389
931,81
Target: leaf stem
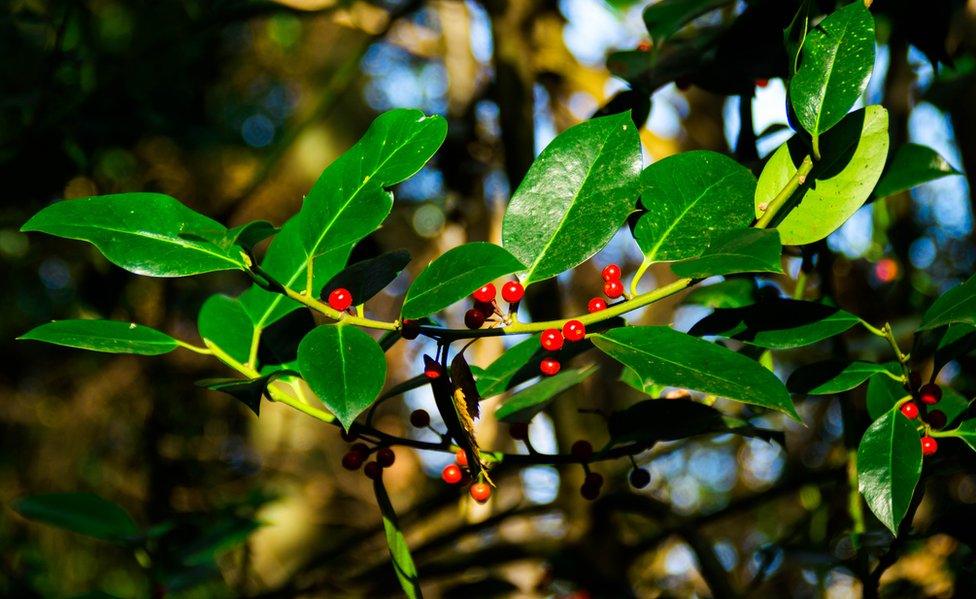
777,203
639,275
193,348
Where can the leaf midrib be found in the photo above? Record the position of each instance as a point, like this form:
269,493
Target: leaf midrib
652,253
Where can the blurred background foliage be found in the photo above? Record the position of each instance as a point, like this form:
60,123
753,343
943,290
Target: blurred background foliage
235,106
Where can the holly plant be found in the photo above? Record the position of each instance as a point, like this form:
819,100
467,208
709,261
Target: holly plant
716,226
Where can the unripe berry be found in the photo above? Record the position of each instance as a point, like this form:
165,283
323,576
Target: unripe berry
574,330
451,474
549,366
596,304
639,478
930,393
929,445
485,294
594,479
936,419
461,457
551,339
613,289
519,431
589,492
372,470
385,457
340,299
409,329
611,273
474,318
909,410
582,450
513,292
420,418
480,492
353,460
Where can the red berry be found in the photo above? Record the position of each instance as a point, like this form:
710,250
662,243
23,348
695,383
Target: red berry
909,410
936,419
613,288
433,371
480,492
451,474
762,82
519,431
929,445
385,457
551,339
361,448
485,294
611,273
640,478
574,330
474,318
930,393
461,457
372,470
549,366
582,450
340,299
353,460
420,418
596,304
513,292
409,329
644,46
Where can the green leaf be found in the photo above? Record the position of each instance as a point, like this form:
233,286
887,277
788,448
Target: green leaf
912,165
455,275
347,203
967,432
366,278
853,156
777,324
110,336
883,393
835,65
83,513
500,375
248,391
403,566
674,359
249,234
654,420
731,293
945,343
524,405
692,200
575,197
664,18
224,322
889,463
833,376
746,250
952,404
956,305
345,367
629,377
146,233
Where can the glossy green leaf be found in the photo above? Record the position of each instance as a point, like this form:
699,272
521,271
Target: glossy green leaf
731,293
833,376
224,321
746,250
366,278
249,234
835,65
455,275
575,197
912,165
403,566
967,432
345,368
524,405
499,376
110,336
674,359
889,463
629,377
777,324
654,420
952,404
882,395
692,200
83,513
146,233
958,305
664,18
853,156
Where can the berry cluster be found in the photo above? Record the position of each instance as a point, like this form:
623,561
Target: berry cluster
929,395
456,472
485,305
359,453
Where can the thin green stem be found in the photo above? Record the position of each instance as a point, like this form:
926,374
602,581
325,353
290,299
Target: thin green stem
193,348
777,203
639,275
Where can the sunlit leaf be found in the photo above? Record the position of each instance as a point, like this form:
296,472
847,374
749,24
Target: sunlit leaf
958,305
746,250
912,165
524,405
110,336
889,463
